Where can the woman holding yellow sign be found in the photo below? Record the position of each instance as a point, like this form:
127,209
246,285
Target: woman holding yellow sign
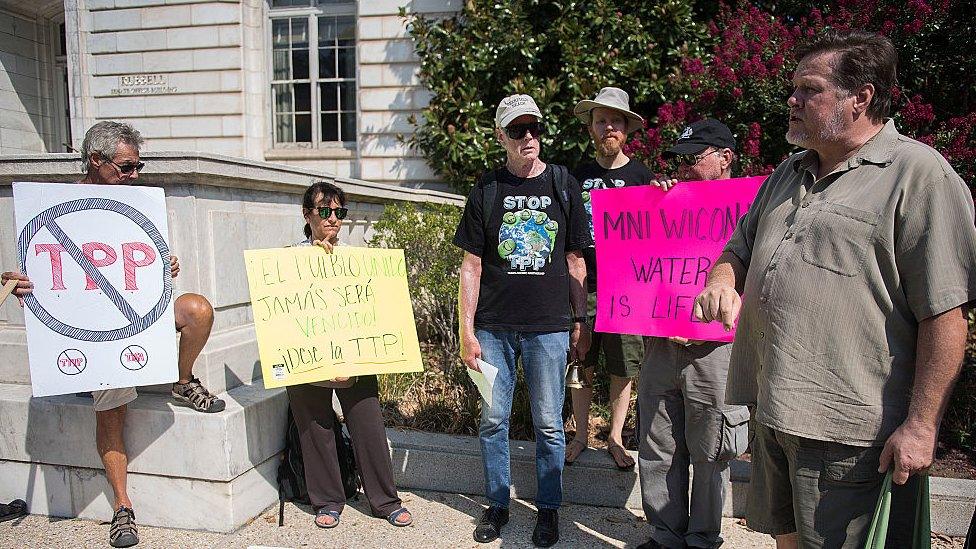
311,404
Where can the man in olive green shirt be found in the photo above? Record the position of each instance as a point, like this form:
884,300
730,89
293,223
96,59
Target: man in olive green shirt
857,262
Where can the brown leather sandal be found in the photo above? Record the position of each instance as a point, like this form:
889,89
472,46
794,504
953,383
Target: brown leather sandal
574,450
620,457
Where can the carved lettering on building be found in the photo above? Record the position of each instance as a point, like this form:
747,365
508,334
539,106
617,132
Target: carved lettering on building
143,84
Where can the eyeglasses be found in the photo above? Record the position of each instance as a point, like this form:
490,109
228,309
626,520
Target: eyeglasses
518,131
340,213
693,159
127,169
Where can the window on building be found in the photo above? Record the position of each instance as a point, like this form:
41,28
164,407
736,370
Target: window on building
313,72
61,95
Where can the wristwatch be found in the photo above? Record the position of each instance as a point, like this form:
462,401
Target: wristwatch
580,319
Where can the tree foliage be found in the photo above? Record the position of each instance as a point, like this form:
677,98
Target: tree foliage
744,78
425,234
559,52
682,60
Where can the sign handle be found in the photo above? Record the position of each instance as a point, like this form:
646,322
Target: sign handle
8,288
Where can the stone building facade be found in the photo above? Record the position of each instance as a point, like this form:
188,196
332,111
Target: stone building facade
325,85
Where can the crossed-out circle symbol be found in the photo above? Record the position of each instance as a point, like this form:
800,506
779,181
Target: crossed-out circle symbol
137,322
72,362
134,357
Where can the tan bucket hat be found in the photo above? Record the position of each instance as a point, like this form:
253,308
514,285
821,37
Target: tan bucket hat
610,98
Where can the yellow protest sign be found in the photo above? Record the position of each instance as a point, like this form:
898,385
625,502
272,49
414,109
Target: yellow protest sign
319,316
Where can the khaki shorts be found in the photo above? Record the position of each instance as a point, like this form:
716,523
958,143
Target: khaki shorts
110,399
825,491
622,354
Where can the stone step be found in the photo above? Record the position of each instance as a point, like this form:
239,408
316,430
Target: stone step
186,469
452,463
421,459
162,438
172,502
228,361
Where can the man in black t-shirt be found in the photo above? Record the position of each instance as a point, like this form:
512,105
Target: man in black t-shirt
523,296
609,120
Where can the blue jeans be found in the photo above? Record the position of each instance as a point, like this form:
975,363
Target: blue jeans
543,357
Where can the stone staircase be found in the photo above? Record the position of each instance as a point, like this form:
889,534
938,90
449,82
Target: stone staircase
186,469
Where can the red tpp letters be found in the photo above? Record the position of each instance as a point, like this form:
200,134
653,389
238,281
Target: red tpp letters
134,255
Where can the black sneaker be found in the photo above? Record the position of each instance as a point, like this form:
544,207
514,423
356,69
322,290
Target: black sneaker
490,525
194,395
651,544
13,510
123,532
546,531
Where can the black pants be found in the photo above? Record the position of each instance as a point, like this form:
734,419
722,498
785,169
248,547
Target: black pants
312,407
971,536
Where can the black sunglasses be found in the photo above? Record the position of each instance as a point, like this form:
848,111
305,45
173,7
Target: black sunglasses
691,160
517,131
340,213
126,169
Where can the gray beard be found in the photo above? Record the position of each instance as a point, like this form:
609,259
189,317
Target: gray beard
828,132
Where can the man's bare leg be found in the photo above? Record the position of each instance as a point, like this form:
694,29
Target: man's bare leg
620,389
788,541
582,399
109,429
194,319
619,404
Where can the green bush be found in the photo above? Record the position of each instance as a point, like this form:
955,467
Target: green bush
424,234
557,51
441,398
744,78
960,416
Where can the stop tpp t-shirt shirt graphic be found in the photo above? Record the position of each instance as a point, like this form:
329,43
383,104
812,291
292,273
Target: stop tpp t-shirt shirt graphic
101,312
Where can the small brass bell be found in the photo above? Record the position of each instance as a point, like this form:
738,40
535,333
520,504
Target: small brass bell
573,380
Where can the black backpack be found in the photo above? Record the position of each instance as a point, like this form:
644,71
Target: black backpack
489,187
291,470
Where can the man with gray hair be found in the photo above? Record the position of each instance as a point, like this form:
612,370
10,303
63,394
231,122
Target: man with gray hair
523,300
110,156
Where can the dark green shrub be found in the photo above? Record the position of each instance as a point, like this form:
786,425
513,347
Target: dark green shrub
441,398
424,234
558,51
957,425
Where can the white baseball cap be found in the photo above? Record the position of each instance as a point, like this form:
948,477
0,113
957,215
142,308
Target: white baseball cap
515,106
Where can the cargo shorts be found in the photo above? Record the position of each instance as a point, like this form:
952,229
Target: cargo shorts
825,491
622,353
110,399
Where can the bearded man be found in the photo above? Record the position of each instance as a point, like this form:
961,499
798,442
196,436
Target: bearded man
609,119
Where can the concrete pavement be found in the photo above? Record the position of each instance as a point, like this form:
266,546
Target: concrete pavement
441,520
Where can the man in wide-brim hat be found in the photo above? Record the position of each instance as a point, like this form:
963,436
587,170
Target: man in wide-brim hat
608,119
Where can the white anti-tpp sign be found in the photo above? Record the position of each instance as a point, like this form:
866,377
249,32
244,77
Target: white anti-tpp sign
101,313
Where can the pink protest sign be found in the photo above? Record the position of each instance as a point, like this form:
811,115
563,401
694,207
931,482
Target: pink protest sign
654,250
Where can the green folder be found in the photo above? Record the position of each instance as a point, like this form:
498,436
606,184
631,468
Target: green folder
878,532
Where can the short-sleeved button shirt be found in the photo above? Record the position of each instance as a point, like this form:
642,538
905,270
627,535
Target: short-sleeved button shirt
840,272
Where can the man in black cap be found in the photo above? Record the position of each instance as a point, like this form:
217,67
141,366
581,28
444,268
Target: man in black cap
683,416
704,151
